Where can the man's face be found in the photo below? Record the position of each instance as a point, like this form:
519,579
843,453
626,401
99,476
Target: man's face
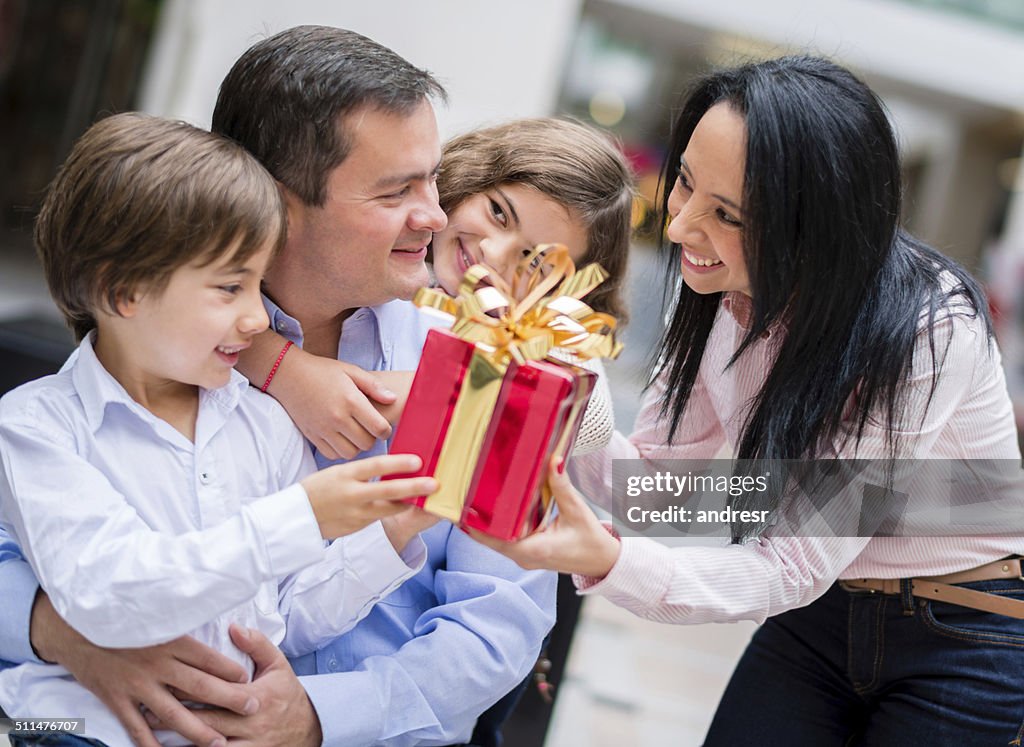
366,244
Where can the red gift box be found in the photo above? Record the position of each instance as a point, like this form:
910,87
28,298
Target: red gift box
488,409
497,474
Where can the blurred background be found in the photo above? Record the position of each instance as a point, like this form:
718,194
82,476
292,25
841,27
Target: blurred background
950,72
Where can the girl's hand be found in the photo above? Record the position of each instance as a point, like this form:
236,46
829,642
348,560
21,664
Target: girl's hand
575,542
398,383
332,403
344,499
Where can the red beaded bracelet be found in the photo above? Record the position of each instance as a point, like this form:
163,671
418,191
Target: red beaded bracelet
270,376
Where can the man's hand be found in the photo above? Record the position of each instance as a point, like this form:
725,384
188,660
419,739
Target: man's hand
332,403
400,528
285,718
156,677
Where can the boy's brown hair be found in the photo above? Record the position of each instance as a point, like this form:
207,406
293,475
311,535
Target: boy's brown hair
139,197
579,167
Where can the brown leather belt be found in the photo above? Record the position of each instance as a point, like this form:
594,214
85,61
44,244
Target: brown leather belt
941,589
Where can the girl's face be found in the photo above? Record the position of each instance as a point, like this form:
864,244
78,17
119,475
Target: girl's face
705,205
498,227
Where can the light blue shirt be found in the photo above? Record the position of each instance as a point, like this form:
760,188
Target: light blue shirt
453,639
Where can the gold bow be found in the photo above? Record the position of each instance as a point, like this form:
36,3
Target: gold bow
539,310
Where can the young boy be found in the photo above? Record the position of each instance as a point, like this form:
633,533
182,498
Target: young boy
153,491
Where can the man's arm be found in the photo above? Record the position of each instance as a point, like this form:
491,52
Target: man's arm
19,587
478,642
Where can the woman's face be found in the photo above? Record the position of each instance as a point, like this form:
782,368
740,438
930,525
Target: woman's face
706,207
498,227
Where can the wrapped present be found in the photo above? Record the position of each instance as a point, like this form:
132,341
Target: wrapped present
488,409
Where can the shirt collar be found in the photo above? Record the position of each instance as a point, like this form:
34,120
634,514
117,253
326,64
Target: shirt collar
741,308
97,388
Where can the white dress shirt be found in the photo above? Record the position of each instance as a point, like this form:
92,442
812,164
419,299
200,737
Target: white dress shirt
140,536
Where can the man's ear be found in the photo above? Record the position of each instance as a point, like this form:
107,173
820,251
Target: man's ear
293,206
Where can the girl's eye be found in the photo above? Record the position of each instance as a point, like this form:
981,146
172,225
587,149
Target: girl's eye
728,219
231,290
498,212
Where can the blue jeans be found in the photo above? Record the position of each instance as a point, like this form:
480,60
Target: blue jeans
55,740
857,669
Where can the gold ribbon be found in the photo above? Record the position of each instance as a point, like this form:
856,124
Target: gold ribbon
539,310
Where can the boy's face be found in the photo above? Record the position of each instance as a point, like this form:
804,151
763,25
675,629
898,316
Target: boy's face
367,243
193,330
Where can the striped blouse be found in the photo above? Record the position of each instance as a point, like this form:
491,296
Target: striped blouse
969,417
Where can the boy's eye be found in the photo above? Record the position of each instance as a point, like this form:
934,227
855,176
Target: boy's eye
232,289
498,212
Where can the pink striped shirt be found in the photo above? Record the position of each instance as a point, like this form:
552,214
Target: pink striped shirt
970,417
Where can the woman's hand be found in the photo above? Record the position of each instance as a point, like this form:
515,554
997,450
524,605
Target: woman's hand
575,542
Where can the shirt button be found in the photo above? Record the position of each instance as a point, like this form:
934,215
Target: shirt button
205,478
332,664
282,325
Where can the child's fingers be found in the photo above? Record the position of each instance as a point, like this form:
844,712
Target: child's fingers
397,490
378,466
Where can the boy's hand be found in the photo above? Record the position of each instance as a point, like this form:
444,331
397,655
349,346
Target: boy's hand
332,402
344,500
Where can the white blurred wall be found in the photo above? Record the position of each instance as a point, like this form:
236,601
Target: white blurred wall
497,60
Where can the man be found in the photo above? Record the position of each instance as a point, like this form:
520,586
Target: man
347,128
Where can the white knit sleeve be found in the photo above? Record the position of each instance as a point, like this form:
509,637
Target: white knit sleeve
599,418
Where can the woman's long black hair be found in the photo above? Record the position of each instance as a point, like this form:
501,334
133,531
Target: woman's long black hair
826,257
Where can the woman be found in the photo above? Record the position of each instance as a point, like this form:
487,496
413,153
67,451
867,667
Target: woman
809,325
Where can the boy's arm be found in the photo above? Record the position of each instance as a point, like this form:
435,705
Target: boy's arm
155,677
123,679
331,402
74,546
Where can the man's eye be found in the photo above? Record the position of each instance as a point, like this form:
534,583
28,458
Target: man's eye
396,195
498,212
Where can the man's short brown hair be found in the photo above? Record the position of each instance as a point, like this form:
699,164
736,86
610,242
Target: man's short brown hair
139,197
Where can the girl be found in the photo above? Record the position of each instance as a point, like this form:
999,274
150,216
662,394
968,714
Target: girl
810,325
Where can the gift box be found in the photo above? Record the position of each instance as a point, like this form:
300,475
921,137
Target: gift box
488,408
